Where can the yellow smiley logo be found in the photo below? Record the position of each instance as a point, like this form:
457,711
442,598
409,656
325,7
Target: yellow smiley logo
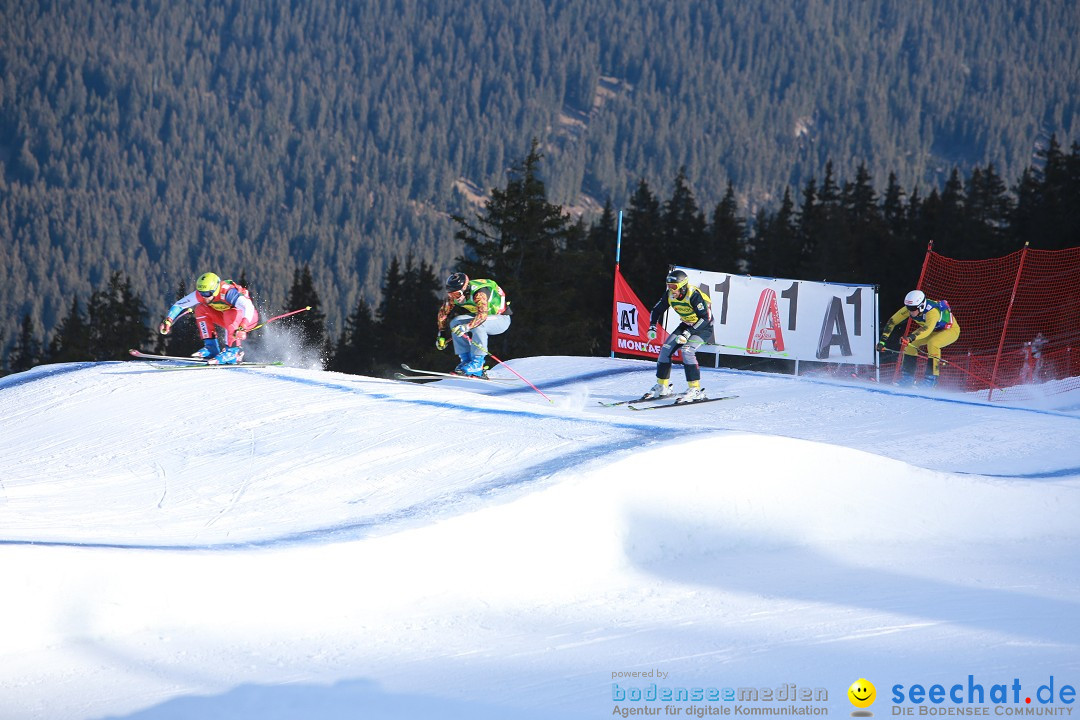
862,693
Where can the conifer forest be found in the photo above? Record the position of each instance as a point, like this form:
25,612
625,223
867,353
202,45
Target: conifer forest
348,156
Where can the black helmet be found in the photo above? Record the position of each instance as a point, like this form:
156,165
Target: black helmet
677,280
456,282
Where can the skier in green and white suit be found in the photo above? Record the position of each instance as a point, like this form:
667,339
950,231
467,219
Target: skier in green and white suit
488,313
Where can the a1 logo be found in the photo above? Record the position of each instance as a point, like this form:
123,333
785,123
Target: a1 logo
628,318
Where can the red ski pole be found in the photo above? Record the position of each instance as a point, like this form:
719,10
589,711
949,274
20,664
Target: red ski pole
481,347
278,317
946,363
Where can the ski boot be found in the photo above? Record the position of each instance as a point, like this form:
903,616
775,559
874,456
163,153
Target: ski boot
907,371
930,381
692,395
460,369
208,351
475,368
230,356
659,390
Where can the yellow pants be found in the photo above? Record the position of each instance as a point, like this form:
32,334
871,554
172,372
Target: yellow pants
933,343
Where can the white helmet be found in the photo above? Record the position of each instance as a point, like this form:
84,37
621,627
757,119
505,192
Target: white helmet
915,300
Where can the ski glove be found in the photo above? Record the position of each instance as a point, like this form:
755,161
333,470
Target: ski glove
682,337
460,330
652,332
165,326
240,334
440,343
910,338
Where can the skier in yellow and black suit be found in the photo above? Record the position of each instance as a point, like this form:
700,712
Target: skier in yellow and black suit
695,309
937,329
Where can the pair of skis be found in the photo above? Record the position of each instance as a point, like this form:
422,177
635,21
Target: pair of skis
648,403
194,363
643,402
423,375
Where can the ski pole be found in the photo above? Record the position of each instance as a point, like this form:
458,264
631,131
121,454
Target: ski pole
278,317
481,347
943,361
755,352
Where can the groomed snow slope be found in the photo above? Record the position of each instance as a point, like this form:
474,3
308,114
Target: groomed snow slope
280,543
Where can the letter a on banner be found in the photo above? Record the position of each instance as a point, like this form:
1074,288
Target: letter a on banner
766,327
833,331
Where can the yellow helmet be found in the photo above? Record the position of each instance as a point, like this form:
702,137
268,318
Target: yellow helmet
208,284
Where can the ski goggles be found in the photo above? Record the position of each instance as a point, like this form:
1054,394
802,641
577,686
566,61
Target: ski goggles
207,293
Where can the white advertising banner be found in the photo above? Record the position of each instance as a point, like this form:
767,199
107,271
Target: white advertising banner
790,319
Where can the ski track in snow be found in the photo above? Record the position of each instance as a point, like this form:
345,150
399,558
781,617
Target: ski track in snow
347,413
379,456
325,544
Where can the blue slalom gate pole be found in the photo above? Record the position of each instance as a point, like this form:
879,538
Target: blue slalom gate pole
618,253
618,241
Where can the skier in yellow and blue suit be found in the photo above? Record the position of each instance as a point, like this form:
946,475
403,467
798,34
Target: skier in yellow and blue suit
695,310
937,329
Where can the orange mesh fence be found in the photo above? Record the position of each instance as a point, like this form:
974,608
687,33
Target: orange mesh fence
1019,318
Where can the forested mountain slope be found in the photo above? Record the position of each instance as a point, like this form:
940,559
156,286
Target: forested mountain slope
163,139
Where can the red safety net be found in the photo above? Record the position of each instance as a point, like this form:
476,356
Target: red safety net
1019,318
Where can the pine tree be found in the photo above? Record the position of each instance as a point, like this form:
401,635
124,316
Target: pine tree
310,325
924,215
725,247
895,257
71,341
516,242
987,208
27,351
406,316
811,229
1024,220
116,320
776,244
950,228
1057,201
832,240
594,267
644,263
425,292
892,206
684,233
355,349
589,276
860,230
391,340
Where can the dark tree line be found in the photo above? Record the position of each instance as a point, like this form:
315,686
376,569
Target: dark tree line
161,138
557,270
